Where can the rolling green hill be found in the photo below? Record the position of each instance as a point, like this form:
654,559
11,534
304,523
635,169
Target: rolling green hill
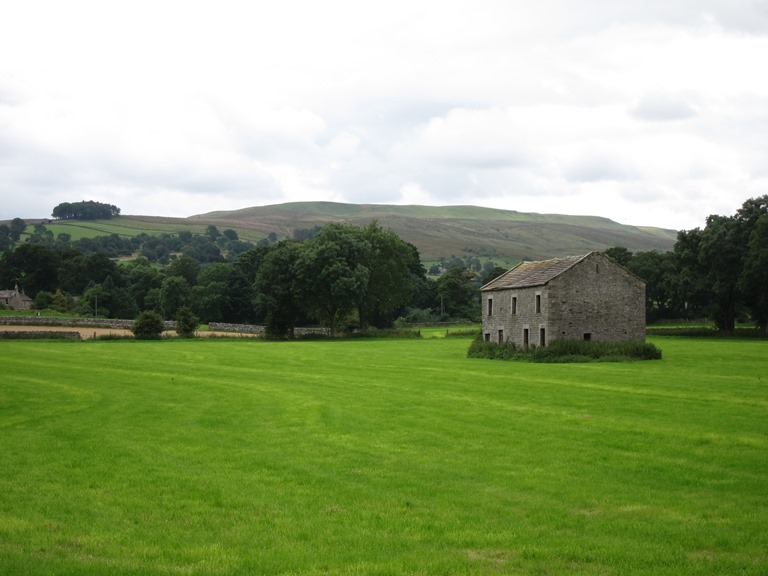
437,231
504,236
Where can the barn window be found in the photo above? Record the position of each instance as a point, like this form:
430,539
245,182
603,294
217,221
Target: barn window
538,303
525,337
501,336
514,304
490,306
542,337
587,336
487,336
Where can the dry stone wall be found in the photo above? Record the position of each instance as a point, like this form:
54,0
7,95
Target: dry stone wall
38,334
74,322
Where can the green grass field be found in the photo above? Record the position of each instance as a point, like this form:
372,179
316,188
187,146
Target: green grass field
130,226
380,457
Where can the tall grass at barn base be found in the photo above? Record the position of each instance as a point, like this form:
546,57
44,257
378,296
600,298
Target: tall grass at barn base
565,351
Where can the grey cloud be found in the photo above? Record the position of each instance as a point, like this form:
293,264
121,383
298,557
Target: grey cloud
750,16
662,108
744,15
599,168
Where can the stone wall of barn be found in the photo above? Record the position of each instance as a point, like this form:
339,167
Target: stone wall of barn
517,315
594,300
597,300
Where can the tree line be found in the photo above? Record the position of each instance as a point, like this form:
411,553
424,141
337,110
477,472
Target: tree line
212,246
719,272
342,276
345,276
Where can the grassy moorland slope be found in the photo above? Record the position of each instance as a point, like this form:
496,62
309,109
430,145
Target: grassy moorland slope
221,457
501,235
460,230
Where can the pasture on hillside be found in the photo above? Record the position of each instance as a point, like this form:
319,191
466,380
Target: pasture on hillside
380,457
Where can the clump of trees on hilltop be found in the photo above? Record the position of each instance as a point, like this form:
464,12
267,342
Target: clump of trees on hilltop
85,210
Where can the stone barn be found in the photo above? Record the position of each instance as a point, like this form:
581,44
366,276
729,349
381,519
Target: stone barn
586,297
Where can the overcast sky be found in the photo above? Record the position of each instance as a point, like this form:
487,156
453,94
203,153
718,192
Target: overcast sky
648,112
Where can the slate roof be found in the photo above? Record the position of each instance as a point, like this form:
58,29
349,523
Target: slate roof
528,274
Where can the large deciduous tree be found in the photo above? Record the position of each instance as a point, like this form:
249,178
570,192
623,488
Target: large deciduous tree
720,266
457,293
278,289
174,293
754,278
33,267
334,273
390,281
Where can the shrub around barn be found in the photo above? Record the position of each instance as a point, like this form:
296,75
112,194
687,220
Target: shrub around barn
564,351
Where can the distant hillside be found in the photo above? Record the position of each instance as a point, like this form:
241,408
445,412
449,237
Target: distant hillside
504,236
444,231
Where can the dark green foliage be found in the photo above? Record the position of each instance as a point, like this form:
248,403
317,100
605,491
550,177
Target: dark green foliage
386,333
61,302
457,293
41,235
278,292
186,322
174,293
5,237
393,267
301,234
491,274
754,279
148,326
17,229
704,331
43,300
186,267
566,351
89,210
463,332
628,349
333,272
112,245
491,350
33,267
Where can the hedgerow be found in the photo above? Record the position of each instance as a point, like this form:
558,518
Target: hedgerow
705,332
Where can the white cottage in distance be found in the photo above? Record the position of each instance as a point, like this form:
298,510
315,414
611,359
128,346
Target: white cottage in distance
587,297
